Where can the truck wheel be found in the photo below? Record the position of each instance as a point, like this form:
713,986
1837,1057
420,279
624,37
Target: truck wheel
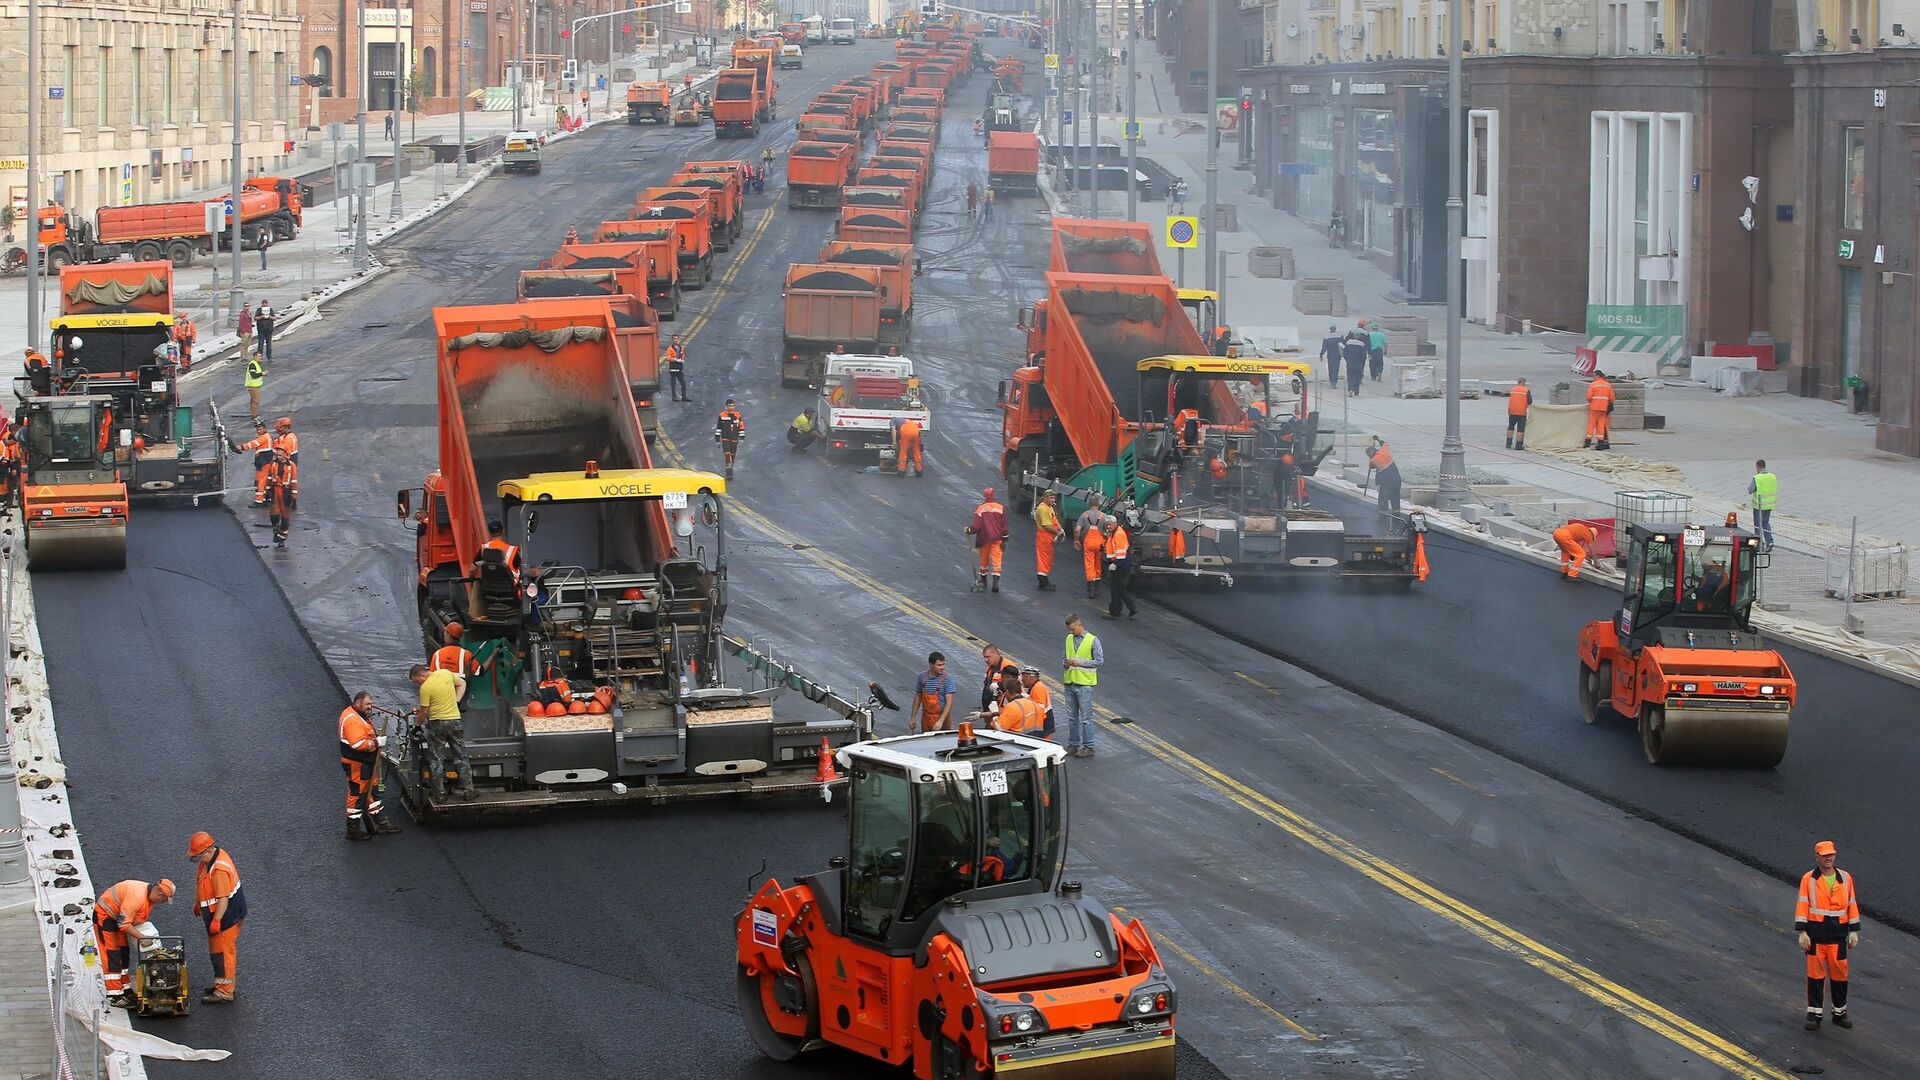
57,258
180,253
1596,693
146,251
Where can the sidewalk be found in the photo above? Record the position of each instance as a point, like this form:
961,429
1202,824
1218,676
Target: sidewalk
1829,470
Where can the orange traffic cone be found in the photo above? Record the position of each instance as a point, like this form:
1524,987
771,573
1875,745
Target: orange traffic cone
1420,555
826,775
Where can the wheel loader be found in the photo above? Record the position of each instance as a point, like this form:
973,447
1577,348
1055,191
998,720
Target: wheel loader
1681,658
946,939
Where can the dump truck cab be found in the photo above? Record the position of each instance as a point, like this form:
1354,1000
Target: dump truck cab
1681,658
948,834
73,500
1203,307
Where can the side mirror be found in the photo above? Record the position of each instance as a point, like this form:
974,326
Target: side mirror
404,500
533,522
1001,397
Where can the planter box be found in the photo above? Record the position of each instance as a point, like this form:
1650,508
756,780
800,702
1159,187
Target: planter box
1320,296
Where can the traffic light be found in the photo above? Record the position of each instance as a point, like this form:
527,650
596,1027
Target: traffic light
565,34
1246,103
626,28
286,147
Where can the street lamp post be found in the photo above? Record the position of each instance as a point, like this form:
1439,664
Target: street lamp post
1131,129
519,64
1093,103
233,235
362,258
460,162
1452,491
33,171
395,209
1213,143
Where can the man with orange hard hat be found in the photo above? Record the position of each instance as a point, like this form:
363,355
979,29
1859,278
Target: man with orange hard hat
1827,919
119,913
222,906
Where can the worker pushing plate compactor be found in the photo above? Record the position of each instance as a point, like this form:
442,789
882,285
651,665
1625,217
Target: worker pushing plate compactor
1121,406
596,621
103,422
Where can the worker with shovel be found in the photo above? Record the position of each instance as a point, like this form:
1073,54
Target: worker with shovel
360,748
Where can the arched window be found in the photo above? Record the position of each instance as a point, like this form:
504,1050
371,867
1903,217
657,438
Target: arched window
430,71
323,65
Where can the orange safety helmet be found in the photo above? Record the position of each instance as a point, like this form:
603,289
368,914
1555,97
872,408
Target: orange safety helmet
163,888
284,422
577,708
594,708
198,843
454,630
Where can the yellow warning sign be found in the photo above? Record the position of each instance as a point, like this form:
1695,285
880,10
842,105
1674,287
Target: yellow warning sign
1183,232
1053,61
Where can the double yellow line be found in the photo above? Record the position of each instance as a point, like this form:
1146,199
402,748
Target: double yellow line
726,279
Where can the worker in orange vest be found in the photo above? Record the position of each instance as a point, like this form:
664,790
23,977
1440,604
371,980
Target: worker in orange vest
262,447
117,915
1574,538
1093,550
1827,919
988,527
222,906
1186,428
1599,411
1037,691
360,747
283,492
1387,474
1119,553
906,444
285,439
572,237
1046,533
728,429
453,656
509,553
1517,401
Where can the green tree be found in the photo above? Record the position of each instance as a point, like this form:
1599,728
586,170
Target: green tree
416,88
720,10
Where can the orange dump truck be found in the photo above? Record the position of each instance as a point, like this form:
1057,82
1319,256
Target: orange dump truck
720,234
1088,246
908,180
660,243
817,173
650,101
895,263
829,308
736,103
1013,162
636,338
875,225
693,240
857,100
838,137
828,118
874,198
728,198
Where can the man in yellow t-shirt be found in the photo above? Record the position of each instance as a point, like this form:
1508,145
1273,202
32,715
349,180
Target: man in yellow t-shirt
446,736
1046,533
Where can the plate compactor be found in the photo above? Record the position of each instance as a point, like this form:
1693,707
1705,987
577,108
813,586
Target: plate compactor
159,983
945,939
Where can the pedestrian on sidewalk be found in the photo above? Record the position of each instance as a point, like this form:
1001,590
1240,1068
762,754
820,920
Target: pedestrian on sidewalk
1827,918
1080,672
266,241
244,327
1179,196
1330,350
1355,348
1517,401
1376,350
263,323
1763,493
222,906
973,197
389,127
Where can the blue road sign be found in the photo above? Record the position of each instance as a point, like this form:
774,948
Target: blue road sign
1067,116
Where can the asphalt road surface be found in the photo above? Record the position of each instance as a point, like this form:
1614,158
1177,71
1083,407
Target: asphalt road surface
1340,889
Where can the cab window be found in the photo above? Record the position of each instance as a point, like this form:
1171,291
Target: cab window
944,842
1656,585
876,855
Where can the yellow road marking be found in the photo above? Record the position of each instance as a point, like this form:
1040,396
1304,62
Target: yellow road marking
1647,1013
1232,987
1258,683
726,279
1461,782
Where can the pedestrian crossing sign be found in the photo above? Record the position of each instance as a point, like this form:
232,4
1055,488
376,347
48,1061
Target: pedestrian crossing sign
1182,231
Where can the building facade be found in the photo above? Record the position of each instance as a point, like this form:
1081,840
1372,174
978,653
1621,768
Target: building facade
1718,175
135,99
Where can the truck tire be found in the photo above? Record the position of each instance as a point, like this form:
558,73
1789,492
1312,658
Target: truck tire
180,253
58,257
146,251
